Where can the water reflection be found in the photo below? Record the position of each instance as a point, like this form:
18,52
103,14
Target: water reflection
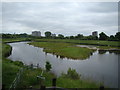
102,51
57,56
110,51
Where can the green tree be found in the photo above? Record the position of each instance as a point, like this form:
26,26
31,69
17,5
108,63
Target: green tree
103,36
67,37
79,36
23,35
48,34
111,38
60,36
48,66
90,37
117,36
71,37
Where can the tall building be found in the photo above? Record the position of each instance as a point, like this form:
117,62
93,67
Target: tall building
36,33
95,33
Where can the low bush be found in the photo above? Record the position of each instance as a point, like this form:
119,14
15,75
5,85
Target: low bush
71,73
18,63
48,66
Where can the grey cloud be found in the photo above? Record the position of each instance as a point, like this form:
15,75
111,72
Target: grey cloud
106,7
66,17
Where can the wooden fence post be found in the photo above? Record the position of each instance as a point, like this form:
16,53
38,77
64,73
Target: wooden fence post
54,83
3,86
38,65
101,87
42,87
31,66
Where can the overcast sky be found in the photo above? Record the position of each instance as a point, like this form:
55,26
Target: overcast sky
67,18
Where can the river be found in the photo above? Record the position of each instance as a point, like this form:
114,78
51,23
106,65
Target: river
98,67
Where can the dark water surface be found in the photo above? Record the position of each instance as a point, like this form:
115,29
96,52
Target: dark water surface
99,67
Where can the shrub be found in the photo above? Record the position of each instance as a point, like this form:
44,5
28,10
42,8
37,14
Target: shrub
18,63
71,73
48,66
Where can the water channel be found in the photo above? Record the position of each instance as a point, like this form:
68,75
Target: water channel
99,67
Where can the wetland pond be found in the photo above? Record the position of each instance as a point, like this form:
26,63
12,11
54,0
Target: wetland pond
99,67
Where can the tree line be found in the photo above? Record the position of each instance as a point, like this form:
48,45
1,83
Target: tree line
48,34
102,36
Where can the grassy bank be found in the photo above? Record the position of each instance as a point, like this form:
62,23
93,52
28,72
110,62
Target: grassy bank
9,69
6,51
68,50
9,72
86,42
64,82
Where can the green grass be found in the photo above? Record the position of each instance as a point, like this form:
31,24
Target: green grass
64,49
107,47
6,50
88,42
71,83
30,78
9,72
73,79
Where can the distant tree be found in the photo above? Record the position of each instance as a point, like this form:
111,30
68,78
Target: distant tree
85,38
66,37
48,34
111,38
95,37
103,36
14,35
92,37
79,36
60,36
7,36
117,36
71,37
23,35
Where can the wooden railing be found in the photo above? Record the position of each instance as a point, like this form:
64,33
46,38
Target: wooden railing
16,80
